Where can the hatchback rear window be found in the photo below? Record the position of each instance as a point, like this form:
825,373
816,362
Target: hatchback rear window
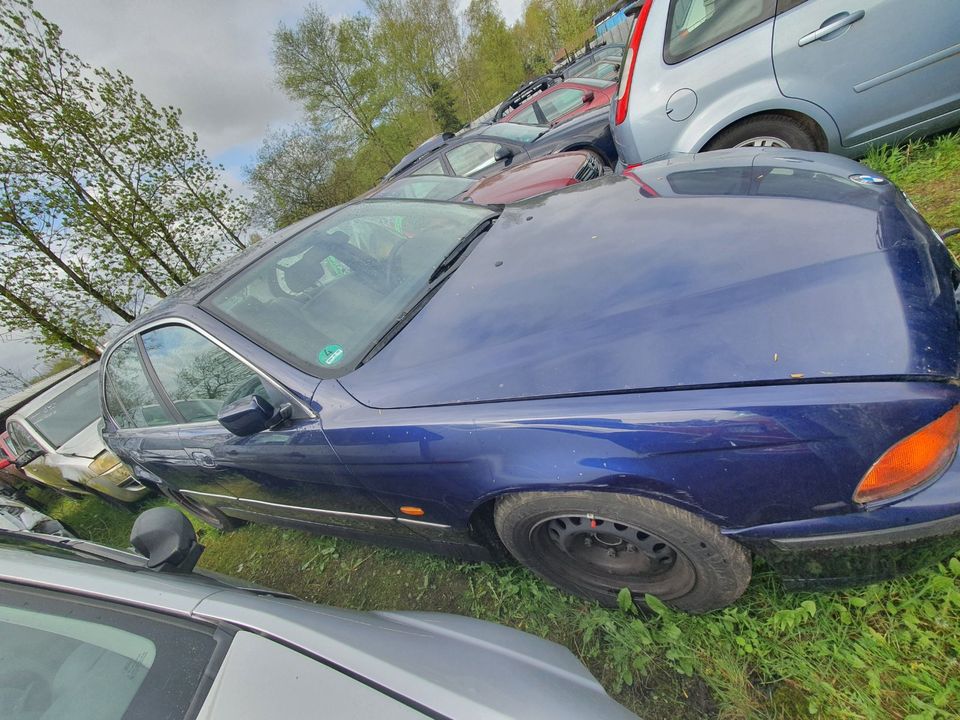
696,25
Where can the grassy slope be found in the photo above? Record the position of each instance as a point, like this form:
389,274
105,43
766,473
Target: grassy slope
887,651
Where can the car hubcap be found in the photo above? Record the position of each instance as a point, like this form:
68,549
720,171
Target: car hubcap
764,141
610,555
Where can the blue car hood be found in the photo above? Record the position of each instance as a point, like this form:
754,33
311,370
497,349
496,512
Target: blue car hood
602,288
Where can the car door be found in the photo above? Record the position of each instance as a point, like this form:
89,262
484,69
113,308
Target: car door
877,66
289,472
478,158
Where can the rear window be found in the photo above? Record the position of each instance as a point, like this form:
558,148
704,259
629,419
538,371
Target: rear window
68,413
696,25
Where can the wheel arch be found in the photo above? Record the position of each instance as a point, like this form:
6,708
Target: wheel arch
482,526
715,118
823,143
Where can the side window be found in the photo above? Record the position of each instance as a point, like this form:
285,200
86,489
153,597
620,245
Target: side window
559,103
197,375
695,25
20,439
470,158
527,116
434,167
131,401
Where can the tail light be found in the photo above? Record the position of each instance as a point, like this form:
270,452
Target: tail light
630,61
913,460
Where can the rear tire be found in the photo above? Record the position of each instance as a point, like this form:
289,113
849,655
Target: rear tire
780,131
593,544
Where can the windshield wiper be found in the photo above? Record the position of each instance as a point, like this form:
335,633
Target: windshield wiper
443,271
458,250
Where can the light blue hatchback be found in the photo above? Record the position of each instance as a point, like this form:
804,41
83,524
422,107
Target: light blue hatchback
831,75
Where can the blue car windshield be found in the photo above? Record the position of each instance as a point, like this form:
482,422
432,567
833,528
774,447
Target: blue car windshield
325,297
515,131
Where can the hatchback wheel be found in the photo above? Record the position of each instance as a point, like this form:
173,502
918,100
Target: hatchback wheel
595,544
777,131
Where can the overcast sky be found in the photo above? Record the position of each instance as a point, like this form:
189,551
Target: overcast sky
210,58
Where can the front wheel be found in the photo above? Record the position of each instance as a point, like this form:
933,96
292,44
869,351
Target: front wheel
595,544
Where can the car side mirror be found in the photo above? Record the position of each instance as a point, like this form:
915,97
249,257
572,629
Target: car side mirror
167,539
502,153
588,96
252,414
27,457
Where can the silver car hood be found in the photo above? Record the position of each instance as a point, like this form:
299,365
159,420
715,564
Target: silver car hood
86,443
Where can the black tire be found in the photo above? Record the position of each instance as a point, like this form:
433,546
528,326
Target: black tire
790,133
679,557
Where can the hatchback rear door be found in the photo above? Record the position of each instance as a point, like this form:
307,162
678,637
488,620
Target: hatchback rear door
877,66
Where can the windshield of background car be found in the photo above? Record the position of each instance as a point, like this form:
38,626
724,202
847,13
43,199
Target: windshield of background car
427,187
515,131
323,298
68,413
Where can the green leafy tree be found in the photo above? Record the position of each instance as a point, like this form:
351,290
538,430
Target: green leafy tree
105,200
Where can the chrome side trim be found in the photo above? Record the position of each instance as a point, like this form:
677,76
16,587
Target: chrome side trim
319,511
424,523
204,494
196,328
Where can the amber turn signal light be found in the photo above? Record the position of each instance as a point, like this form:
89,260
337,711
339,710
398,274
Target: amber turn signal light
913,460
411,510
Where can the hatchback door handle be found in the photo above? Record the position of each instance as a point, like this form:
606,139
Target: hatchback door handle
831,26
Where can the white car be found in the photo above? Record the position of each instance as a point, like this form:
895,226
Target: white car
56,437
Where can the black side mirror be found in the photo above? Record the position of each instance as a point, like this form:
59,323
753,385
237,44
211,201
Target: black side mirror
28,456
502,153
588,96
252,414
166,538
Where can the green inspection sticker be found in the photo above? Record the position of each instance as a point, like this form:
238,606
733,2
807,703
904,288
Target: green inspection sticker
330,355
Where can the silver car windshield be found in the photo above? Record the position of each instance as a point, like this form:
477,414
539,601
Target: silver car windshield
326,296
68,413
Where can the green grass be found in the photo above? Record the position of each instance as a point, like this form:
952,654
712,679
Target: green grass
891,650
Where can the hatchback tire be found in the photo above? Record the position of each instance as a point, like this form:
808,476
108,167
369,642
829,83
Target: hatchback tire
780,131
594,544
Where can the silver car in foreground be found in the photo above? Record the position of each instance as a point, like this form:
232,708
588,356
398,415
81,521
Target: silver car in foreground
56,437
91,633
829,75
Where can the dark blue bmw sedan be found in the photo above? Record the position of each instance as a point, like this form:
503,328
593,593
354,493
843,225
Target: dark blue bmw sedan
637,382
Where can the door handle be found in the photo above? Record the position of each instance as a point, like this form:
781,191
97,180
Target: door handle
204,458
831,26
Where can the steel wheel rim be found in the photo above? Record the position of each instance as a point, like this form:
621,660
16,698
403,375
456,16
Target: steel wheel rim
609,555
764,141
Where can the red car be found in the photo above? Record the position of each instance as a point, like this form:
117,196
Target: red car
10,474
513,184
563,101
